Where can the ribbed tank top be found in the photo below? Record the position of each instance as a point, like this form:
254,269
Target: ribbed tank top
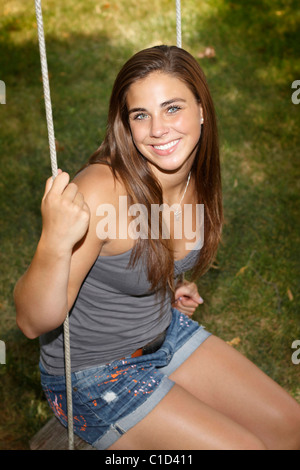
114,314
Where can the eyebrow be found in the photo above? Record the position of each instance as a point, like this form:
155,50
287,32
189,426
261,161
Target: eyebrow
163,105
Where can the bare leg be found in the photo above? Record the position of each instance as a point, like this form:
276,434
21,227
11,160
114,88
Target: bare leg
221,401
181,421
234,386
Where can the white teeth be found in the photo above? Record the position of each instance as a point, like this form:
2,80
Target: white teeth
166,146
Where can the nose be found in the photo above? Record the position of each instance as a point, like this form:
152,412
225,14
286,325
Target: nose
158,127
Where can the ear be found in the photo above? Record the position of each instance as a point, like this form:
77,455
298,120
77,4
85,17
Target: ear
201,115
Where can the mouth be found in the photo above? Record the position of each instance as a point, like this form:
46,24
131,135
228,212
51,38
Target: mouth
166,147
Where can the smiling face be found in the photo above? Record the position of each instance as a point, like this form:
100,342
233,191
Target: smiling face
165,121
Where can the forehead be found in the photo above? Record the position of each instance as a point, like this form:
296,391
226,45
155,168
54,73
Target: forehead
157,88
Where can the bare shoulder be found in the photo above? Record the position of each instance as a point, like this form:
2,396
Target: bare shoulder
101,191
98,185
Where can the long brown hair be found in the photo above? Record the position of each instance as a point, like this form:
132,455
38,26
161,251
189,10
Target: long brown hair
119,151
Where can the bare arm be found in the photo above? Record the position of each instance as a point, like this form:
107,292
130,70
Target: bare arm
67,248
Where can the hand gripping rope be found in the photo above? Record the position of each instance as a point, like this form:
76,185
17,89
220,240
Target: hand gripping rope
53,159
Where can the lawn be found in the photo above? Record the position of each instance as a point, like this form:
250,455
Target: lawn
250,54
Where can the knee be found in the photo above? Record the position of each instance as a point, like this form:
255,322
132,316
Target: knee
254,443
292,426
287,429
245,440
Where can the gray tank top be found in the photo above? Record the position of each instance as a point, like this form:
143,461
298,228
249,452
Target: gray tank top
114,314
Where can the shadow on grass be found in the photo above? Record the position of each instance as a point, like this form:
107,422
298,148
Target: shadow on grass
81,72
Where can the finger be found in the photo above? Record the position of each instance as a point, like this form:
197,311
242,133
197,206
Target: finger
86,208
71,192
189,293
61,182
188,302
49,183
184,309
79,199
48,186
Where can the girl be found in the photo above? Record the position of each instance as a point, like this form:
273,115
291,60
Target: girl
144,374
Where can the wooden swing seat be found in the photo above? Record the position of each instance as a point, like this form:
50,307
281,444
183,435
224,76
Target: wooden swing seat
54,436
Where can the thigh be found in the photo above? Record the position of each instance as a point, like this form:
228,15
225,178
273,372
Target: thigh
228,382
181,421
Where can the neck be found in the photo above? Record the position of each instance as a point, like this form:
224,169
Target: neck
175,186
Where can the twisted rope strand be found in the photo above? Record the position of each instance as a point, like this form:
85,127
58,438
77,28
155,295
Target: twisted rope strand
46,87
53,158
179,44
178,23
68,382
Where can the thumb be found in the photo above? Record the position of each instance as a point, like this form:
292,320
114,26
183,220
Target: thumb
49,184
189,301
188,292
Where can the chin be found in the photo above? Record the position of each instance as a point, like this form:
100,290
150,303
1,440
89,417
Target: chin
169,167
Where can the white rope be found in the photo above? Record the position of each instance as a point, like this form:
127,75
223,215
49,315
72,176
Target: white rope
47,97
53,158
68,382
179,44
178,23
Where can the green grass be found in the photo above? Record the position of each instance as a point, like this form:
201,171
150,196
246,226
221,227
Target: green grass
253,291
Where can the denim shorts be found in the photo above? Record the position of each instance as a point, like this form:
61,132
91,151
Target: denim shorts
110,399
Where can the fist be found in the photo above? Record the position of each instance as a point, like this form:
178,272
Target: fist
65,214
187,298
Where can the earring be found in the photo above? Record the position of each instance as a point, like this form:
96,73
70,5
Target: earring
202,121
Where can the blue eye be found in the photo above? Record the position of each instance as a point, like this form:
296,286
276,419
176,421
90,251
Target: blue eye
173,109
140,116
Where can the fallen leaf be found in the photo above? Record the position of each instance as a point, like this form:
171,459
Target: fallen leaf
290,295
234,341
241,271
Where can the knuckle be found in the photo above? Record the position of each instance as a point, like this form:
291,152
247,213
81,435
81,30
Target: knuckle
48,199
63,174
73,186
